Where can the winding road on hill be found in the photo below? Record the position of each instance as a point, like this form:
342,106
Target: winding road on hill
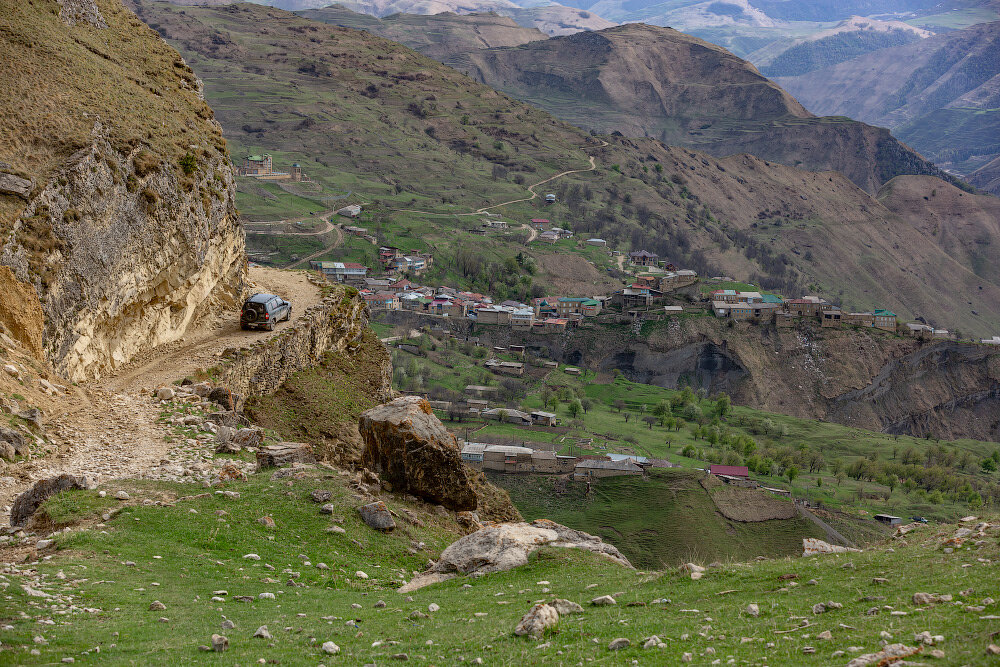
322,251
531,189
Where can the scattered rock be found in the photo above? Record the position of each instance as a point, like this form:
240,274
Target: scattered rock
321,495
505,546
925,598
603,601
377,516
165,393
267,522
565,607
889,654
330,648
220,643
652,642
826,635
156,605
753,610
284,453
262,633
812,547
618,644
537,620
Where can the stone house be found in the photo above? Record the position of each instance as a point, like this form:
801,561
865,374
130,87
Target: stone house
596,469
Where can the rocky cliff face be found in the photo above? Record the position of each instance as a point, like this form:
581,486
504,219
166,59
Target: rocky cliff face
128,231
856,377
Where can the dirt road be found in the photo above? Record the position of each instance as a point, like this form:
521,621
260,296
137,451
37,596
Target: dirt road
110,429
201,348
336,244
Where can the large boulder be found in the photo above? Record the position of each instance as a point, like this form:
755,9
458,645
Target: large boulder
29,501
814,547
506,546
12,443
411,450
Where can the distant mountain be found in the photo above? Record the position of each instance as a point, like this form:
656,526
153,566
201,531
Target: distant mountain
401,131
939,94
646,80
851,38
440,36
551,19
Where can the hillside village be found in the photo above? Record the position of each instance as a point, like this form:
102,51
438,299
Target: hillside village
650,293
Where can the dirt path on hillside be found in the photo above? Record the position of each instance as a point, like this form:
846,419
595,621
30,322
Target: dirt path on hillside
327,228
531,189
532,233
108,429
201,348
319,253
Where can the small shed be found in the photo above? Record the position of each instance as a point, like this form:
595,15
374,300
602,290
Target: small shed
888,519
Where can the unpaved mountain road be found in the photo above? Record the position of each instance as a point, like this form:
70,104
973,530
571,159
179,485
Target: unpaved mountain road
108,429
201,347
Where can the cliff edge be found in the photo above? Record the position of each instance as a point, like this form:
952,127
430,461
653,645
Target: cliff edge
116,190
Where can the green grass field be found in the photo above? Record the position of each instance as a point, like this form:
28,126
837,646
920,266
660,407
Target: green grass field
103,577
658,522
843,468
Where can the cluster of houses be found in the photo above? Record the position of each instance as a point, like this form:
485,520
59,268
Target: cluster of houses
757,307
514,459
649,288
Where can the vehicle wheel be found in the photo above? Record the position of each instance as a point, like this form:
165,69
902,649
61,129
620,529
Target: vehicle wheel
269,326
288,317
244,326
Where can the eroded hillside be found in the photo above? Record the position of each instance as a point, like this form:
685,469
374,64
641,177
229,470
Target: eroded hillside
118,215
648,81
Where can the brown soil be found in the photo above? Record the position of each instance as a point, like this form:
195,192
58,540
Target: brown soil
747,505
572,275
20,312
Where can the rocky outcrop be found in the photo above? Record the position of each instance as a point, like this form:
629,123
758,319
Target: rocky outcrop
81,11
857,377
506,546
335,325
25,504
21,315
130,233
413,452
134,261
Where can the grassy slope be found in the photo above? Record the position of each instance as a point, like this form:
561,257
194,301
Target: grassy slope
659,522
202,553
51,97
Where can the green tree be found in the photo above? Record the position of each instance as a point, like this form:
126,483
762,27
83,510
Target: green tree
791,472
575,408
723,404
586,404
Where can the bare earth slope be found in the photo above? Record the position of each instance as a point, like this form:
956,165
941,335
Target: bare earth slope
652,81
939,94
